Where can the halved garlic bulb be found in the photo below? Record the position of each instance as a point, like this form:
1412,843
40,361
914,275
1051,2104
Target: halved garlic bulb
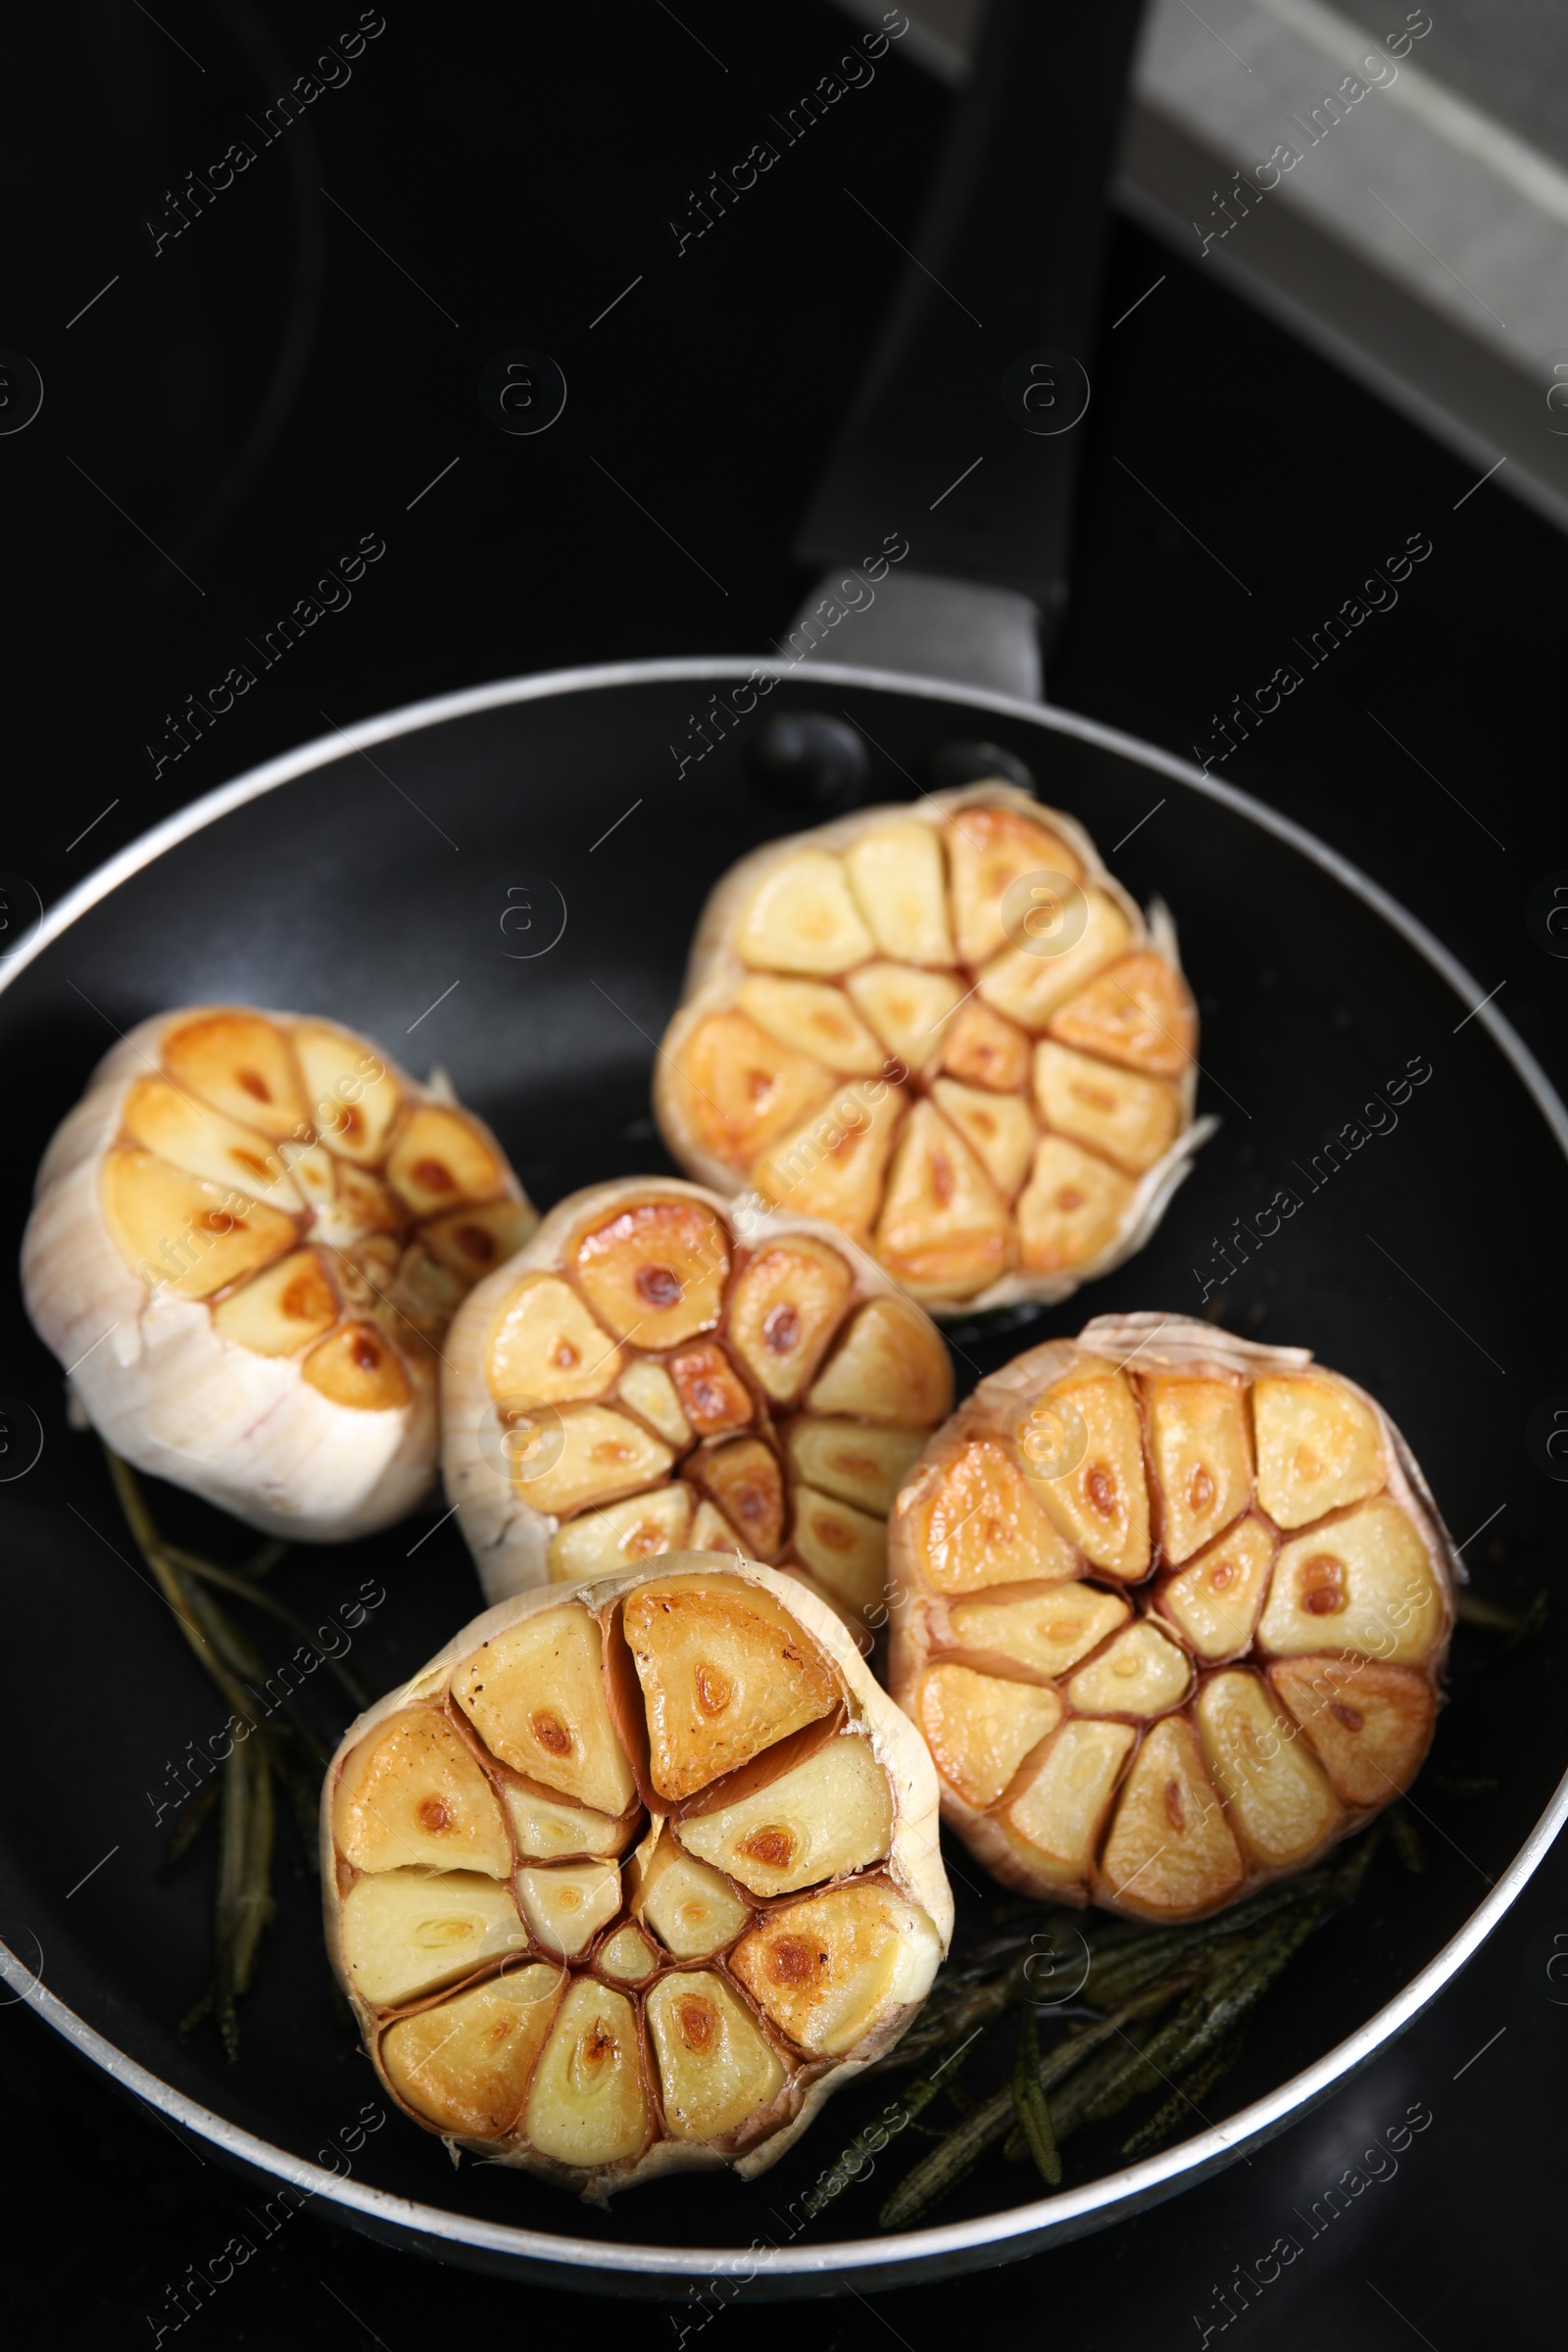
948,1031
1171,1610
600,2017
658,1371
247,1241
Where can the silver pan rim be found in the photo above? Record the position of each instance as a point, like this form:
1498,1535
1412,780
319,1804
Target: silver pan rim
914,2254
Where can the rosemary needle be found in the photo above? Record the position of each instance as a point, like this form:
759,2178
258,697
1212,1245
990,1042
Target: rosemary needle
1029,2101
1193,2088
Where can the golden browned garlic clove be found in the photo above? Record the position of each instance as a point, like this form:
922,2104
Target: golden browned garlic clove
948,1031
826,1970
247,1241
534,1990
827,1817
691,1909
464,2065
659,1369
1171,1610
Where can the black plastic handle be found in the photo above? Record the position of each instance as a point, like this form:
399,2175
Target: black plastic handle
1009,257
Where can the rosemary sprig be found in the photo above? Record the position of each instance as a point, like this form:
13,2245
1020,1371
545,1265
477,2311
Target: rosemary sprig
975,1990
1237,1980
241,1583
281,1755
1178,2001
244,1902
898,2113
988,2121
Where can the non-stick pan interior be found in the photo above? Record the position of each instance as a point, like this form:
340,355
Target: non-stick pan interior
511,894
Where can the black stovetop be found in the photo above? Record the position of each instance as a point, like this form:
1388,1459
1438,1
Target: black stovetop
244,376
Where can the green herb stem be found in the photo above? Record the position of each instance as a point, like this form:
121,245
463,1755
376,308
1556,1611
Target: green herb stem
231,1580
870,2142
955,2157
283,1753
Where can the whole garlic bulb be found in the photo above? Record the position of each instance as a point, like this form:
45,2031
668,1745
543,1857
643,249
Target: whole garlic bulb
246,1244
948,1030
602,1931
660,1369
1171,1609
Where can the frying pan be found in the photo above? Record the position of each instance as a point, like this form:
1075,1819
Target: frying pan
507,880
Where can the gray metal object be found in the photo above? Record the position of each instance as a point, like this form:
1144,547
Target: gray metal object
1419,239
792,2272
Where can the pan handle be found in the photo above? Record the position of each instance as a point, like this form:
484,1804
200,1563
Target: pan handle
1007,267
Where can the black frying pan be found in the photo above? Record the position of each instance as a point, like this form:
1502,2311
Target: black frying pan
503,913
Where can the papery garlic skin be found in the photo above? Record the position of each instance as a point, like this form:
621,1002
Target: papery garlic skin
125,1254
1171,1609
690,2020
819,1381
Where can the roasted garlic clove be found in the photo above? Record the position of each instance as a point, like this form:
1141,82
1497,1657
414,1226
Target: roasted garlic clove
533,1990
658,1370
406,1931
1141,1673
948,1031
983,1524
1281,1804
1054,1818
692,1910
464,2065
828,1970
829,1816
544,1828
1171,1610
786,1304
749,1087
845,1549
1172,1852
1026,987
247,1241
628,1957
1369,1725
566,1905
1216,1600
899,886
848,1459
535,1696
811,1017
619,1535
588,2108
717,2067
596,1453
417,1796
943,1225
722,1675
656,1267
548,1348
980,1728
744,1479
